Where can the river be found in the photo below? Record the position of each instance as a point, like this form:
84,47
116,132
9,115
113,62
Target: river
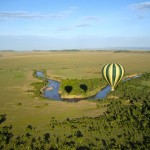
52,90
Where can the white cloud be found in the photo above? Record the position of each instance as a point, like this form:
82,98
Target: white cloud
87,21
4,15
72,27
27,15
141,6
82,25
92,18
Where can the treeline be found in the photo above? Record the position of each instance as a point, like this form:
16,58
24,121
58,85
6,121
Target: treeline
122,127
122,51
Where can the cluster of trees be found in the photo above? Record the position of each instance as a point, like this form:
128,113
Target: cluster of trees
121,127
134,90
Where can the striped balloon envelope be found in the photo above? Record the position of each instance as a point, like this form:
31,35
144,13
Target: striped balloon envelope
113,74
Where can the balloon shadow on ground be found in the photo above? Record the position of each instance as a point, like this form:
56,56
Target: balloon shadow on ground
68,89
84,87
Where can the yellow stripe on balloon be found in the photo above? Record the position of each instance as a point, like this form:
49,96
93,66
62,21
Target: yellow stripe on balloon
117,74
110,73
104,72
122,69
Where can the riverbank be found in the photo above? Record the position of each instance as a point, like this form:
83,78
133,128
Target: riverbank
95,92
80,88
90,94
58,90
53,90
132,76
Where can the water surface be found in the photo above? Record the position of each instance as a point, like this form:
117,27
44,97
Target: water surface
52,90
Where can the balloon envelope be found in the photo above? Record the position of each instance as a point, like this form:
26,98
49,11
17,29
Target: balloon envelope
113,74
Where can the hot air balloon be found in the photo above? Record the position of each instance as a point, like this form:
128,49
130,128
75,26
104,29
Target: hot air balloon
113,74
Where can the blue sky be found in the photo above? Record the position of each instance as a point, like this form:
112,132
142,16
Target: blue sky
74,24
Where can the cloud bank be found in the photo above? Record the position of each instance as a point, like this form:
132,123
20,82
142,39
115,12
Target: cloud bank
145,6
27,15
82,25
4,15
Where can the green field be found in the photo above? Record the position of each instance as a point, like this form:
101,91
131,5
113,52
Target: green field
16,69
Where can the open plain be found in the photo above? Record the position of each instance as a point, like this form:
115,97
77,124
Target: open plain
16,76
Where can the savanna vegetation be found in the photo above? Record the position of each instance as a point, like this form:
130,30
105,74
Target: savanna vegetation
80,88
39,86
120,121
136,89
125,125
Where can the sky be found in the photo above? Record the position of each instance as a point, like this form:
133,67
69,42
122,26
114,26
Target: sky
73,24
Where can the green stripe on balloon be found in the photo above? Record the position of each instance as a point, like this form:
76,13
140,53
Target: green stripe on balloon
113,73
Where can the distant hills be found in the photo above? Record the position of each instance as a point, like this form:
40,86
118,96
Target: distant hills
118,49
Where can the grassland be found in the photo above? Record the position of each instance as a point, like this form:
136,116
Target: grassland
16,69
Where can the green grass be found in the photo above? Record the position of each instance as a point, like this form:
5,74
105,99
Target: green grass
16,69
82,64
80,88
22,108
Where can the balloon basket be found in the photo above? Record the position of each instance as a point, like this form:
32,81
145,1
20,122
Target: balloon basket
112,89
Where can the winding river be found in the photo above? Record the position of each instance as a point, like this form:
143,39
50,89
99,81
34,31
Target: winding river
52,90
